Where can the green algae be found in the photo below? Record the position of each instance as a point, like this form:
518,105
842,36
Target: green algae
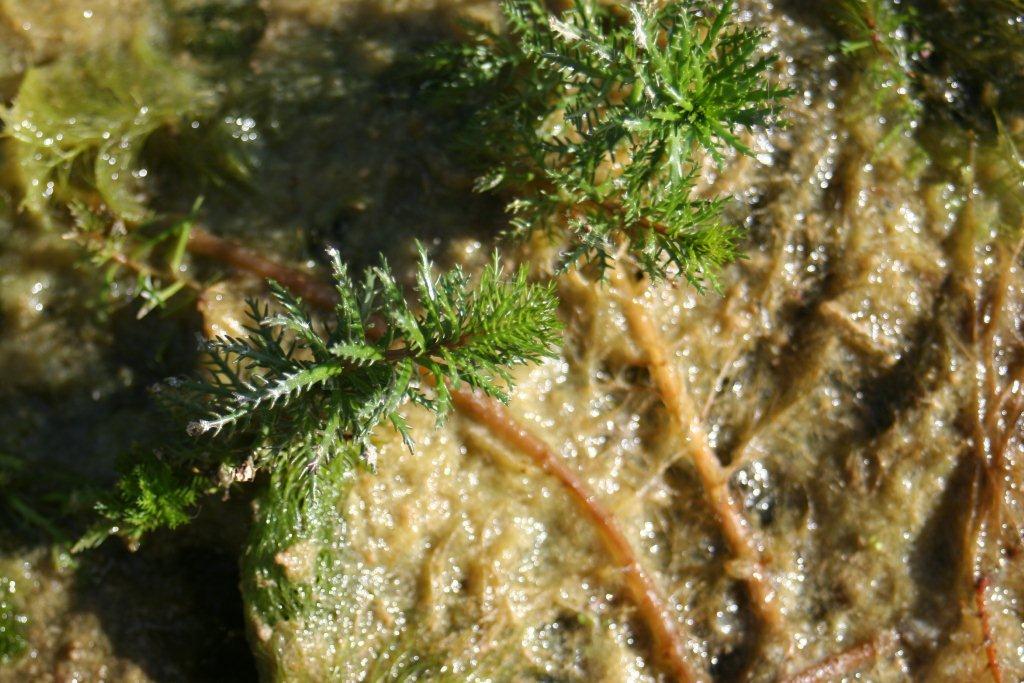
12,623
80,124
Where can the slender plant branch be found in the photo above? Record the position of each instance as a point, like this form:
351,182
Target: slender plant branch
94,240
668,642
991,654
313,290
1005,403
994,411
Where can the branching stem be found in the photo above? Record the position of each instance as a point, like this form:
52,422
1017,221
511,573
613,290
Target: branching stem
89,240
713,477
316,292
988,403
643,588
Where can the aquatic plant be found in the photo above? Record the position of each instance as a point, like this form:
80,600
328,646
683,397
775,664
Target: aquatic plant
261,407
638,95
317,393
299,392
593,120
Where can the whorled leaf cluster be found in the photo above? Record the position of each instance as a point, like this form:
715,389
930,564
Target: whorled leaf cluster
310,391
595,118
154,493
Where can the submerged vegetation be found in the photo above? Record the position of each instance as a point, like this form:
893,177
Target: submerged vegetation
593,121
880,39
635,115
605,129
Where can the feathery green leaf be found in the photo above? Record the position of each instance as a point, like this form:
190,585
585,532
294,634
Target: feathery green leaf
594,119
315,390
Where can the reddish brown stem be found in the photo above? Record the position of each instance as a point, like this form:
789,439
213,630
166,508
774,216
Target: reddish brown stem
986,630
668,643
218,249
713,477
849,661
